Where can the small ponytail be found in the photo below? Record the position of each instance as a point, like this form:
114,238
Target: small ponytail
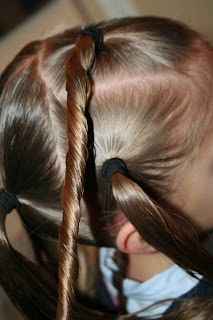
23,282
154,224
78,91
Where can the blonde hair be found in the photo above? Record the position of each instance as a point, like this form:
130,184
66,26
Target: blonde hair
150,81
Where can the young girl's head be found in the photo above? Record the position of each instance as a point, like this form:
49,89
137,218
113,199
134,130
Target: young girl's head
138,90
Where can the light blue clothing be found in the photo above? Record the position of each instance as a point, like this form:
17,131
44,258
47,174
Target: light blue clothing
171,283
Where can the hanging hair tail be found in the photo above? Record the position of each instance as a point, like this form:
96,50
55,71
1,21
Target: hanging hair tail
78,91
159,228
24,283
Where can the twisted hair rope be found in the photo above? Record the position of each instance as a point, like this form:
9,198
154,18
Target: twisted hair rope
78,89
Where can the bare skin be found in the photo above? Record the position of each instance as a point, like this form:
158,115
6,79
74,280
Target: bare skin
143,267
195,192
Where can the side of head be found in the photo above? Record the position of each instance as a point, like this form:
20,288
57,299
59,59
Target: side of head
151,106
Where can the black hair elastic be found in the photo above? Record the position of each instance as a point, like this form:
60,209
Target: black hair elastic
112,166
8,200
95,34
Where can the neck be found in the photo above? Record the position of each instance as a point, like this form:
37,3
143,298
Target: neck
145,266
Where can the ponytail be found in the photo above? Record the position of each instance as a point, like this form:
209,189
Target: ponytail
24,283
78,91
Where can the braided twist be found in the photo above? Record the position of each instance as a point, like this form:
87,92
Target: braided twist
78,91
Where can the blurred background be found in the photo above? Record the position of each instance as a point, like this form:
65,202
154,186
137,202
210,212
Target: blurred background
22,21
13,12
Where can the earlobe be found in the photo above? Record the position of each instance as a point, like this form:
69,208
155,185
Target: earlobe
129,241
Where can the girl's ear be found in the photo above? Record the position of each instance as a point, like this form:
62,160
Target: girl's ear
129,241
